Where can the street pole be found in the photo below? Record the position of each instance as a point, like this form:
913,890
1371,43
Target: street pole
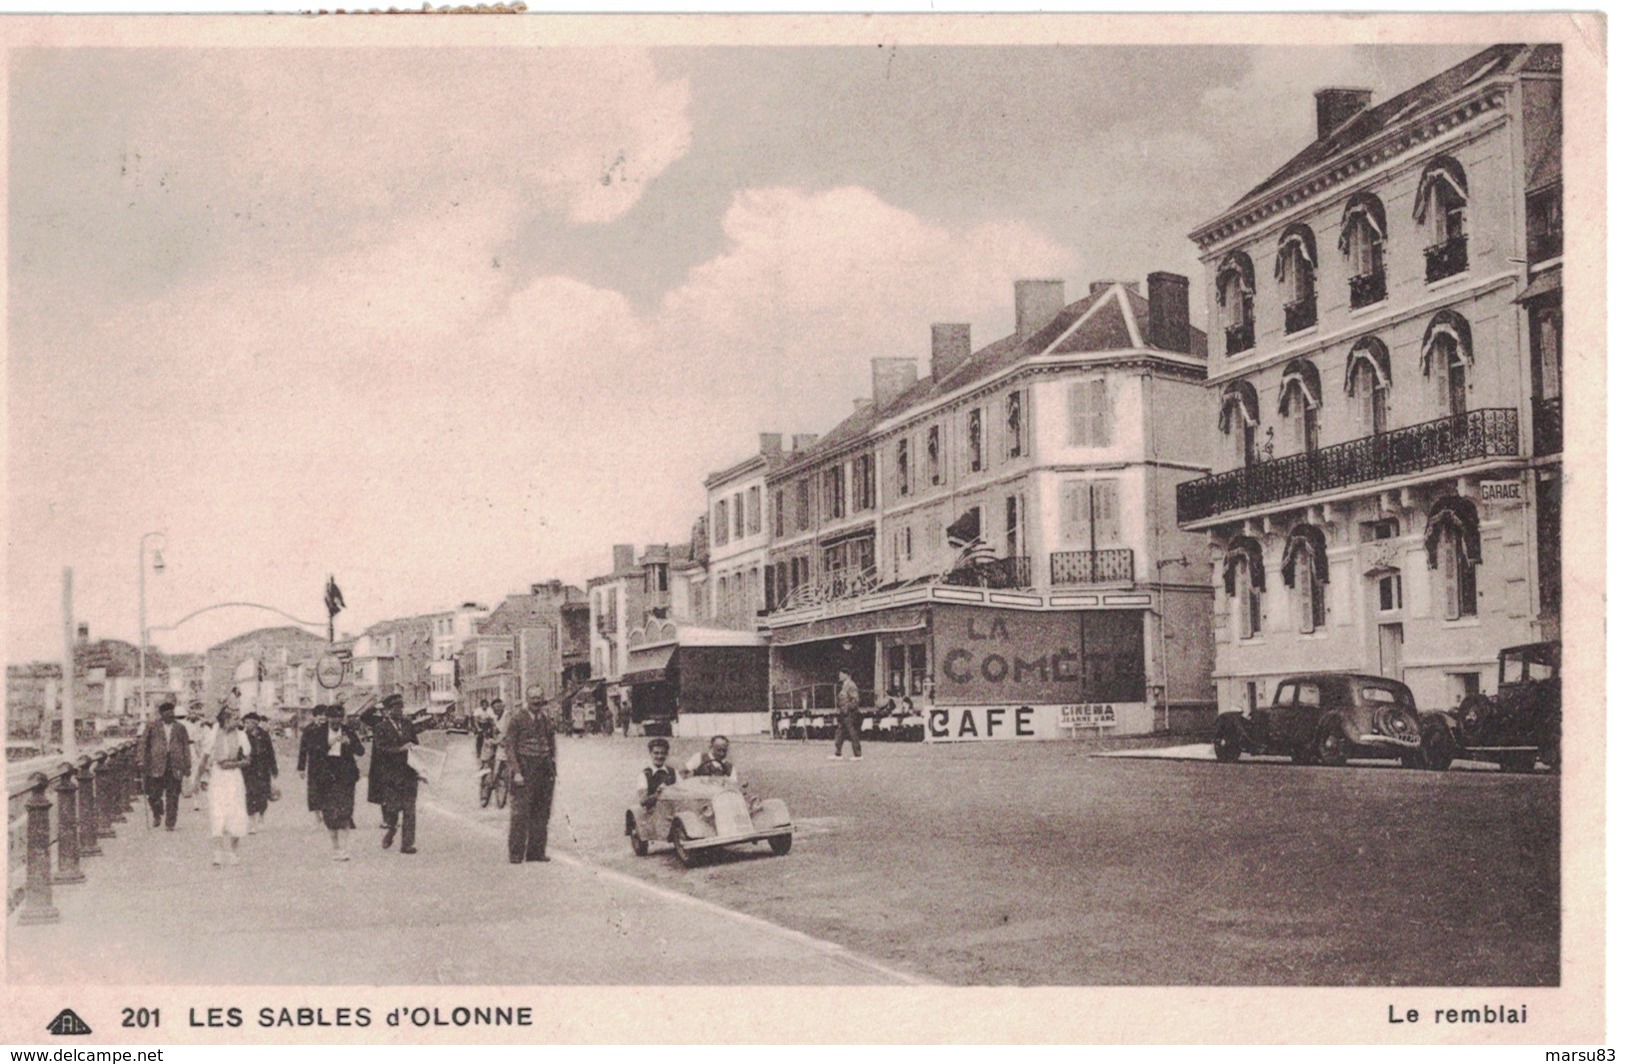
70,741
141,652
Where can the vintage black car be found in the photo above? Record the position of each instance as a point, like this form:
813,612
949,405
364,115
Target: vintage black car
1327,718
1521,722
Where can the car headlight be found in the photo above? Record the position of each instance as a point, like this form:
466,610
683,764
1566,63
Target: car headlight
705,811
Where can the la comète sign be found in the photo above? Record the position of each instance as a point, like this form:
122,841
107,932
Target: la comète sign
1008,656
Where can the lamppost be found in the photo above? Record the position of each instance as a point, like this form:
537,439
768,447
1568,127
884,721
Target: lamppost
141,654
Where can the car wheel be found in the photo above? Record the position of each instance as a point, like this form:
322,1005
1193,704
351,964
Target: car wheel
1227,744
1438,749
679,838
1332,746
779,844
640,845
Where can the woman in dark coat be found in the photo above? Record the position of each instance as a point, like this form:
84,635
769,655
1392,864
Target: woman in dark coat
259,771
328,752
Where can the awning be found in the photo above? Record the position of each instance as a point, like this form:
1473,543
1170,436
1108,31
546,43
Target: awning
1243,548
1460,515
1300,375
1443,169
879,622
1547,283
648,665
1238,395
1373,352
1300,237
1446,324
1367,206
1239,265
1313,540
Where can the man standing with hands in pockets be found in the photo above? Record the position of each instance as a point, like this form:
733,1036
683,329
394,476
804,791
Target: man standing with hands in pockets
533,759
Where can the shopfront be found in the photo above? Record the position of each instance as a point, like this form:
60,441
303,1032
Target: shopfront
697,682
971,672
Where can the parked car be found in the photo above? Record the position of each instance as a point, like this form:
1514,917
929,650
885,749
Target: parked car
1522,721
703,813
1327,717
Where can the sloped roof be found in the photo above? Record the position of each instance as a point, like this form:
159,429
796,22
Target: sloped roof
1106,329
1498,59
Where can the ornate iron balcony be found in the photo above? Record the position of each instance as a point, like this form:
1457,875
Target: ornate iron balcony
1300,315
998,573
1430,445
1447,259
1238,338
1368,288
1548,426
1115,565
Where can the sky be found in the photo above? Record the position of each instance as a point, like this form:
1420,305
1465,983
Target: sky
447,322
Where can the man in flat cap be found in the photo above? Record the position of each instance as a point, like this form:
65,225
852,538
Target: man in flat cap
165,753
533,758
391,781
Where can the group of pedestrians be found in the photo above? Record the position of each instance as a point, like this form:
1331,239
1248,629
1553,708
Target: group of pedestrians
329,754
233,760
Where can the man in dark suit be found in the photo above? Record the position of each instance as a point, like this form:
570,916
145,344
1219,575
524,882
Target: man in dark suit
528,742
391,781
166,760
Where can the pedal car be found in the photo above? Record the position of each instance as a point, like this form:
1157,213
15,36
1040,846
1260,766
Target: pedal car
705,813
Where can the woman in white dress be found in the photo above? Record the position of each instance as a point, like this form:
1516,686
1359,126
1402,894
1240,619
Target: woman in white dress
224,758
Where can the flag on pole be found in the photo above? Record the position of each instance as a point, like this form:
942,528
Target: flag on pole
335,597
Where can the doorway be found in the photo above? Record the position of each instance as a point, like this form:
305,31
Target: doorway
1390,650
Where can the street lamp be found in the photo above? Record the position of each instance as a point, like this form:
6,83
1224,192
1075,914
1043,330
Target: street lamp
141,653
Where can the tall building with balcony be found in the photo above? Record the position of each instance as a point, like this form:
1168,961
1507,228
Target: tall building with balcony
451,629
736,509
998,536
1385,372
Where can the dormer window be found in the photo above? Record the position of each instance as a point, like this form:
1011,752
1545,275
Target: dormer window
1235,284
1361,238
1441,207
1295,262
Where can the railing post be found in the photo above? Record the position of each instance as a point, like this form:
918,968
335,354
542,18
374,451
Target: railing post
104,800
89,824
67,829
119,770
37,907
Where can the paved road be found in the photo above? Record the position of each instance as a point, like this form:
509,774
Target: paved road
155,911
1043,865
976,864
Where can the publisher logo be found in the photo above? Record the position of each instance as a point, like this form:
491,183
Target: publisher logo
67,1022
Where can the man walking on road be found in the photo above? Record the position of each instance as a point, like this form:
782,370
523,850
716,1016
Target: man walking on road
391,781
533,758
849,722
260,770
166,760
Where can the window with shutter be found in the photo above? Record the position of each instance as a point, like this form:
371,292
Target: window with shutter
1100,413
1107,531
1014,425
1075,511
902,467
973,439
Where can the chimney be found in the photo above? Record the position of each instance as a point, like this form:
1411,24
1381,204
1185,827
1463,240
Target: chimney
625,557
1333,107
803,441
1169,321
1037,302
892,377
950,348
770,442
